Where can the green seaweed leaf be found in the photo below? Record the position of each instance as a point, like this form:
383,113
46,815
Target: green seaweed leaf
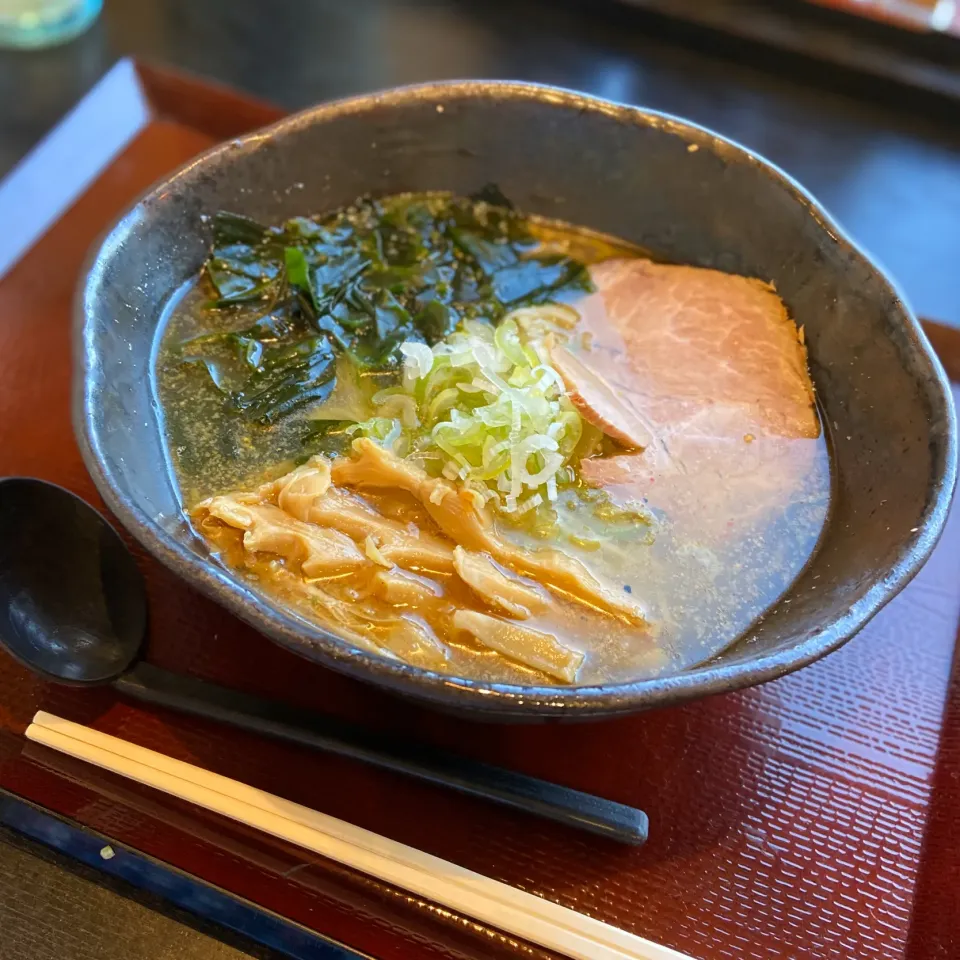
361,282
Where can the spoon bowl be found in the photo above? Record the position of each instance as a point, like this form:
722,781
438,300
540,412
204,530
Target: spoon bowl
72,601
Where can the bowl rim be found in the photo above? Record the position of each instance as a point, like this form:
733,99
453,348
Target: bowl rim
446,691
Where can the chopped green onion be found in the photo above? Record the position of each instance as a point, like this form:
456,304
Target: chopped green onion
489,410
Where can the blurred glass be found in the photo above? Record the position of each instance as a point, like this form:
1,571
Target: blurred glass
42,23
942,15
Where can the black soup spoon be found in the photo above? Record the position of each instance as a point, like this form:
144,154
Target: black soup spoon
73,608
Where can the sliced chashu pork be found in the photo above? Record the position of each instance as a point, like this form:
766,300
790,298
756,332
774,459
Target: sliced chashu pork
668,333
711,366
599,403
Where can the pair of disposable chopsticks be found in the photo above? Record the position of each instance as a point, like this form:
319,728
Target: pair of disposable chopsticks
513,911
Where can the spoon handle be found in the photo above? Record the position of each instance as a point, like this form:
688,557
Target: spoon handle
272,719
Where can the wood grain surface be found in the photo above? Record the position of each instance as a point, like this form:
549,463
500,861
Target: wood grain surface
800,819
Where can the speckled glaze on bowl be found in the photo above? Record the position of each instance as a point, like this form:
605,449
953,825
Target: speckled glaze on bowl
651,179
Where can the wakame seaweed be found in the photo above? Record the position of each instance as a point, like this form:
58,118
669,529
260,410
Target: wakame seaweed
364,280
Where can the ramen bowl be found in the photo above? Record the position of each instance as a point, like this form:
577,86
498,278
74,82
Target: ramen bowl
653,180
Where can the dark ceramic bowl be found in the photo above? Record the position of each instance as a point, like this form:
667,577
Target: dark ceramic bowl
619,170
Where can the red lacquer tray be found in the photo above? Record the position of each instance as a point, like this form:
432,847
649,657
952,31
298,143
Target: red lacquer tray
813,817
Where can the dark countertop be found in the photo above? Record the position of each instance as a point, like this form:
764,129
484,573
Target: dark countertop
52,908
891,177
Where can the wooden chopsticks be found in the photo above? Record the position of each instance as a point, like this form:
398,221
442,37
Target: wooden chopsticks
513,911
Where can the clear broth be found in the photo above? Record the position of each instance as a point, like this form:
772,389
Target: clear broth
703,579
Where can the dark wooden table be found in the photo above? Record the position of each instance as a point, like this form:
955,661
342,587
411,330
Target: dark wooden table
891,177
